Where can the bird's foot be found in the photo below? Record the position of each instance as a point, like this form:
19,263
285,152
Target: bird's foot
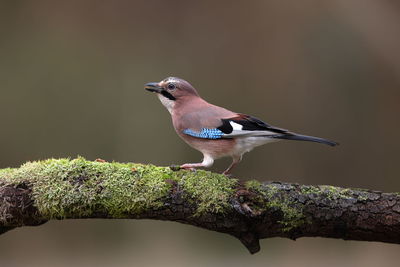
227,174
191,166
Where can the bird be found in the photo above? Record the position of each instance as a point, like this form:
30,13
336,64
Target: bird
215,131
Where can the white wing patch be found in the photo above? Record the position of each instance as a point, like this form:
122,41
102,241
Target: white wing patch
237,131
236,126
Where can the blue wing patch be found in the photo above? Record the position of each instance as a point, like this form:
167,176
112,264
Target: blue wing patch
205,133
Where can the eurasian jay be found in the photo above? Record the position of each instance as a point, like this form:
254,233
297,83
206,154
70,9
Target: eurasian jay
215,131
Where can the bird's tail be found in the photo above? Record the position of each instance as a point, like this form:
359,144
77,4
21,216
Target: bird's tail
300,137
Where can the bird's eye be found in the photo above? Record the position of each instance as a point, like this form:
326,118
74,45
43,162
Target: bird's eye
171,86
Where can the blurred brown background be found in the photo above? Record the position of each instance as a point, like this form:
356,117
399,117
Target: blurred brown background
71,83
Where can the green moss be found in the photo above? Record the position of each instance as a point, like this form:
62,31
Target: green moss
212,193
270,190
293,217
271,197
362,197
6,174
253,185
78,188
309,189
66,188
327,191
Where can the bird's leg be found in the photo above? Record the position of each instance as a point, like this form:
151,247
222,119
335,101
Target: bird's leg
208,161
235,161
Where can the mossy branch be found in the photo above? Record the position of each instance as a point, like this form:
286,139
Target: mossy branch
62,188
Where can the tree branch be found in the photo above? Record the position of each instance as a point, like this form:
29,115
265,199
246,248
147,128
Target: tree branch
64,189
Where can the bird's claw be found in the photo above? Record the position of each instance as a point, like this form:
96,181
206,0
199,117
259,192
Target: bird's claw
175,168
227,174
188,167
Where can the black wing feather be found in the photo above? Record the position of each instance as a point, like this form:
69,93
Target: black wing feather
226,127
249,123
255,124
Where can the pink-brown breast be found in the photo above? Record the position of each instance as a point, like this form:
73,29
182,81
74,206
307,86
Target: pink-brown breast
198,114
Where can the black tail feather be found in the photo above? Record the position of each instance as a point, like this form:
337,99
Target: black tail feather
300,137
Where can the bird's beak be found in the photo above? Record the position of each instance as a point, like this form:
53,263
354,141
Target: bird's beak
153,87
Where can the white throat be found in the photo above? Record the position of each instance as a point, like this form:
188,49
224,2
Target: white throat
169,104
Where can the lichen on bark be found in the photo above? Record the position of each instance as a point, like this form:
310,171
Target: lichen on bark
270,197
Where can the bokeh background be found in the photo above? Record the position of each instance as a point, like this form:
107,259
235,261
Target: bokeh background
71,83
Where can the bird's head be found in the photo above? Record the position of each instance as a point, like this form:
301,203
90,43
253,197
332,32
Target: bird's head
172,90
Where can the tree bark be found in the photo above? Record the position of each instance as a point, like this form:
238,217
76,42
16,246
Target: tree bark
65,189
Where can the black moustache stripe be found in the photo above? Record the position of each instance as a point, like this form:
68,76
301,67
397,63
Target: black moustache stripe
168,95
